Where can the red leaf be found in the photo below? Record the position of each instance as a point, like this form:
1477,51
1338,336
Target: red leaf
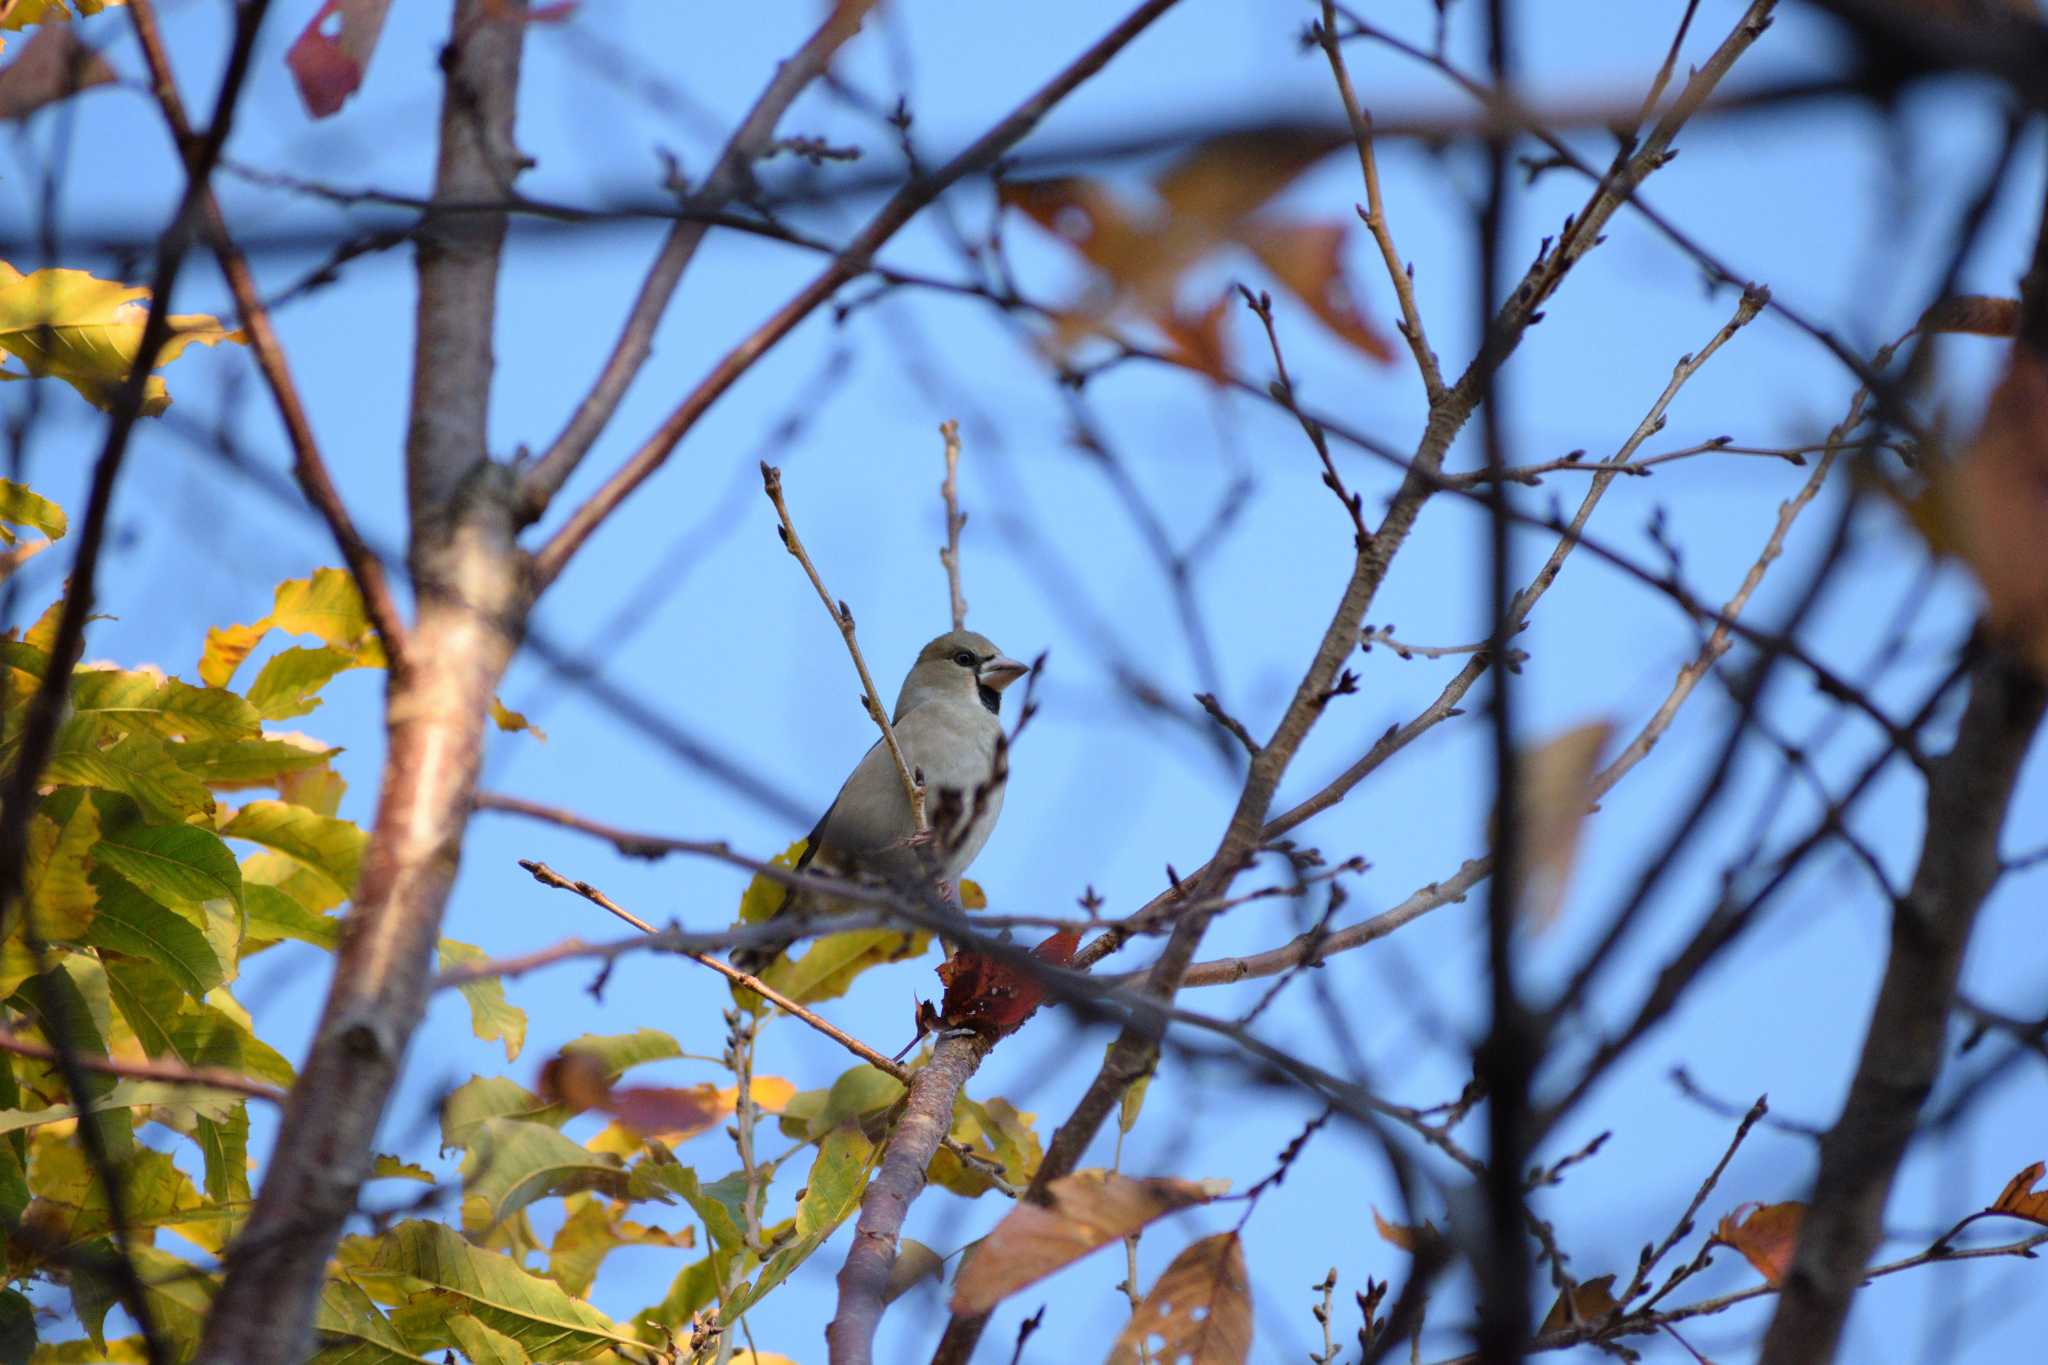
993,997
328,59
675,1112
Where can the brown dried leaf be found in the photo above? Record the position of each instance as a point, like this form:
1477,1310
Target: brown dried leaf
1591,1303
1766,1237
994,997
328,58
1978,314
1554,793
1308,261
1089,1209
54,65
1998,493
1200,1311
2019,1198
1409,1239
915,1263
1223,180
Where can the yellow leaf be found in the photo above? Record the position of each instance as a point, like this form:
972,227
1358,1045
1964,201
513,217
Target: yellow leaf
69,325
1554,791
770,1094
512,721
1201,1308
972,897
1088,1210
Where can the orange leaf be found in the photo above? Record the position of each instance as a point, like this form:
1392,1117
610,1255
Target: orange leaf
1409,1239
1083,214
993,997
2019,1198
1591,1303
1308,261
1089,1209
1766,1237
1999,494
1201,1308
1198,340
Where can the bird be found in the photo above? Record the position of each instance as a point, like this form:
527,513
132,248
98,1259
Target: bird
948,724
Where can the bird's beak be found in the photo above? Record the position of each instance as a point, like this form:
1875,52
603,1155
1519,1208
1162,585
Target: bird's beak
999,672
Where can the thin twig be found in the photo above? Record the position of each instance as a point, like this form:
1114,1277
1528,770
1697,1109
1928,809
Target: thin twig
842,616
205,1077
955,519
1375,211
547,876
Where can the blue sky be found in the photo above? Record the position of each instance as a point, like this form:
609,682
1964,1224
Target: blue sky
1846,217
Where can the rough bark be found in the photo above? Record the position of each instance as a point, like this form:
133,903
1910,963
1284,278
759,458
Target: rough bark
1967,797
473,586
927,1118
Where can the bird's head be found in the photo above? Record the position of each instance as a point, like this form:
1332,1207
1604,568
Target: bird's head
959,665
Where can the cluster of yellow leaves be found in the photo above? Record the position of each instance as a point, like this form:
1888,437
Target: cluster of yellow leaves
1204,203
68,325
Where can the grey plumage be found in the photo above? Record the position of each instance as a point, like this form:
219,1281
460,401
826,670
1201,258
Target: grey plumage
947,722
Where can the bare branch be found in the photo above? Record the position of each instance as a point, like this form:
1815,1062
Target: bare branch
842,616
927,1115
955,519
731,174
855,260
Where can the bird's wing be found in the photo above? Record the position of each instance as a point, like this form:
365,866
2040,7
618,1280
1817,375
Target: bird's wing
869,814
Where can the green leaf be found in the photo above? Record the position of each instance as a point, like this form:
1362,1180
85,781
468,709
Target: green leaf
162,706
846,1159
290,682
176,939
511,1163
273,916
717,1204
387,1167
313,891
224,1145
442,1276
140,766
168,1024
694,1289
60,1009
352,1330
68,325
70,1208
83,1351
17,1328
333,848
179,1294
125,1094
230,763
491,1015
480,1099
483,1346
859,1091
23,506
832,963
60,889
173,864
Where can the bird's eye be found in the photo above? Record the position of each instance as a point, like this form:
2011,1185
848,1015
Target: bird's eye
964,659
